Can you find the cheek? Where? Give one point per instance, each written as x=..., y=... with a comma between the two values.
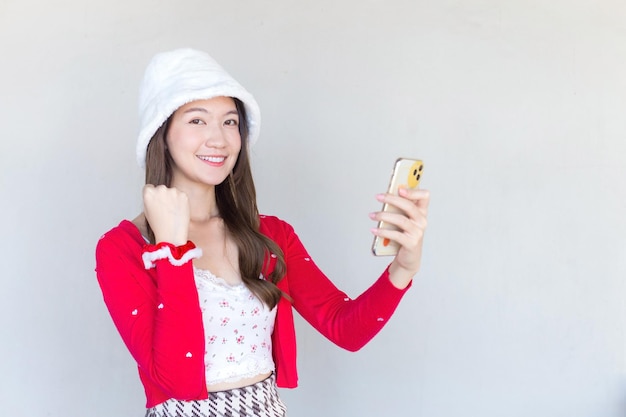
x=178, y=138
x=237, y=140
x=170, y=139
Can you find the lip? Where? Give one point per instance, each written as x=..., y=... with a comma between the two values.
x=213, y=160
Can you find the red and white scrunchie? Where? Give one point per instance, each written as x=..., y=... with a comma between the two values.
x=176, y=255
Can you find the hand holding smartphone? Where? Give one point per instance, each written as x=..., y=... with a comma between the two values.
x=408, y=173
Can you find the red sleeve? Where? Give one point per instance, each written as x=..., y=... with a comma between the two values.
x=156, y=312
x=349, y=323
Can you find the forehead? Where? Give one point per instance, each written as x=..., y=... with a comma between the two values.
x=211, y=105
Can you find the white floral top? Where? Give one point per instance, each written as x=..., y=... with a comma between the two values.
x=237, y=327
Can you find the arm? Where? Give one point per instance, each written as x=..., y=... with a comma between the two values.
x=156, y=312
x=349, y=323
x=352, y=323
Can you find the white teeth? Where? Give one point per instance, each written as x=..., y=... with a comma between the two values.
x=215, y=159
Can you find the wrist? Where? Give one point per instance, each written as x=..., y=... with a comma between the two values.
x=174, y=238
x=177, y=255
x=172, y=241
x=399, y=276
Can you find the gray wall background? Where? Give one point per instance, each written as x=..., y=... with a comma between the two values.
x=517, y=108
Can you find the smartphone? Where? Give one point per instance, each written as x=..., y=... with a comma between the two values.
x=406, y=172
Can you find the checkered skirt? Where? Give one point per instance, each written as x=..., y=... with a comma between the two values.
x=257, y=400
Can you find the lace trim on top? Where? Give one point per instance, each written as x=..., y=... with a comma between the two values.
x=238, y=330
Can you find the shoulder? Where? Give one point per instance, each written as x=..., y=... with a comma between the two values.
x=275, y=228
x=123, y=237
x=272, y=222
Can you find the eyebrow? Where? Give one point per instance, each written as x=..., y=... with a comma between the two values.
x=203, y=110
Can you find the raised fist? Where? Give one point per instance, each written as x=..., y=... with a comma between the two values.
x=167, y=212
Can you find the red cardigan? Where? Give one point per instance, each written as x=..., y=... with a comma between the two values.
x=157, y=311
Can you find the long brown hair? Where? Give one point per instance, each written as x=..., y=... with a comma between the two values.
x=236, y=202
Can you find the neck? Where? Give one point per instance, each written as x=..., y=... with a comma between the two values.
x=202, y=202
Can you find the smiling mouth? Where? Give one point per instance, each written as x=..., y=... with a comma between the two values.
x=212, y=159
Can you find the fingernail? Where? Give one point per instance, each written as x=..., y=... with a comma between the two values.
x=380, y=197
x=372, y=216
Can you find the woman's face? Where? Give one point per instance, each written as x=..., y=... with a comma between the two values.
x=204, y=141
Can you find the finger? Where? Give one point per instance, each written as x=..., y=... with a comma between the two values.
x=418, y=196
x=410, y=241
x=408, y=207
x=411, y=226
x=415, y=198
x=148, y=188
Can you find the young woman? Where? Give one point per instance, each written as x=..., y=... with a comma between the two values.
x=199, y=285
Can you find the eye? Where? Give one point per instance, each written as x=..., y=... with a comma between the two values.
x=196, y=122
x=231, y=122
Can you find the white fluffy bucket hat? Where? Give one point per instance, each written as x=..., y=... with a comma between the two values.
x=173, y=79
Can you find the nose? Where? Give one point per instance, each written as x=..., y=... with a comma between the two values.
x=214, y=136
